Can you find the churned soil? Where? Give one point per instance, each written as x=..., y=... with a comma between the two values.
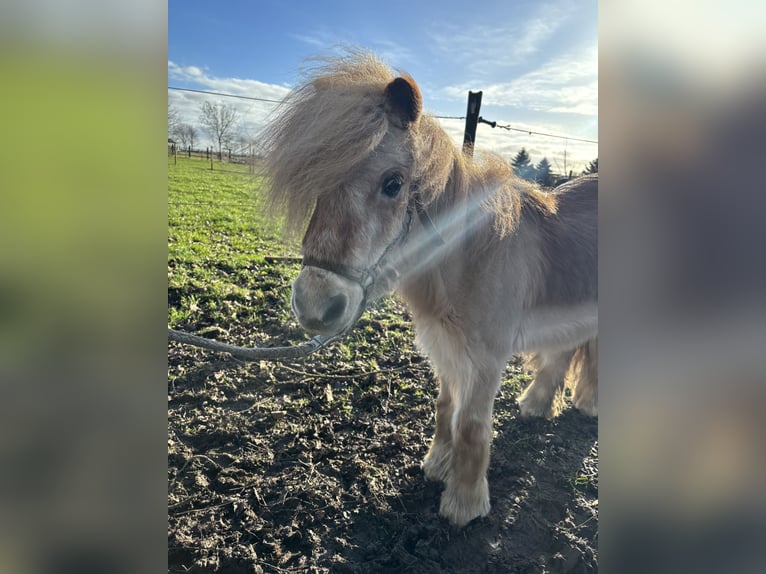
x=314, y=465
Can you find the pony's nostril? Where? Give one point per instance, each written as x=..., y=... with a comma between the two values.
x=335, y=308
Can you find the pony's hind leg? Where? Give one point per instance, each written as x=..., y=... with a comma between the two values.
x=437, y=462
x=544, y=396
x=585, y=378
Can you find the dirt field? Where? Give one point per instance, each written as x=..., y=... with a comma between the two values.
x=314, y=466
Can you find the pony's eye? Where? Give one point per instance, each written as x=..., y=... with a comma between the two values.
x=392, y=185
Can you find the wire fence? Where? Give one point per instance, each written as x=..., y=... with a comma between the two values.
x=533, y=132
x=440, y=117
x=247, y=152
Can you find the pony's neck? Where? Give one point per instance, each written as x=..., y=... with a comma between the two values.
x=436, y=243
x=460, y=210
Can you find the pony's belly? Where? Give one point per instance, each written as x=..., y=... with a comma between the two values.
x=556, y=328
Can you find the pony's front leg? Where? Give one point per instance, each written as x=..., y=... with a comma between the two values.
x=436, y=464
x=466, y=495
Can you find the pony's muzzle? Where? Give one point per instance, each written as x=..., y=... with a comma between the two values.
x=324, y=302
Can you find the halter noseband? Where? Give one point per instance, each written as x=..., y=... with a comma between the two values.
x=364, y=278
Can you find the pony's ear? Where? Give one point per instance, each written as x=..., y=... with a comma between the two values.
x=403, y=101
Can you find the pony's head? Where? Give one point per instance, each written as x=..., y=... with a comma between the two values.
x=351, y=153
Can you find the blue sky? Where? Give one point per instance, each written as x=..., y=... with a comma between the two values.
x=535, y=61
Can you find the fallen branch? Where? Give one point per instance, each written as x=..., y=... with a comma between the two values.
x=278, y=258
x=253, y=353
x=352, y=375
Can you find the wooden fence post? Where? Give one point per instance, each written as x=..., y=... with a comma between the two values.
x=471, y=121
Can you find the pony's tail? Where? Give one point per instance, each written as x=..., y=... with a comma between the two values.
x=583, y=377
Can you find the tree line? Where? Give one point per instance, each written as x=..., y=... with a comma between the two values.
x=542, y=172
x=220, y=121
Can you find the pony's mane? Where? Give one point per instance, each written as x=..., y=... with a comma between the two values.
x=505, y=195
x=337, y=117
x=324, y=127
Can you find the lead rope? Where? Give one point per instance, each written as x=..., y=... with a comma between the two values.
x=254, y=353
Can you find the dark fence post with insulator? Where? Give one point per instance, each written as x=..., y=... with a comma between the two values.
x=471, y=121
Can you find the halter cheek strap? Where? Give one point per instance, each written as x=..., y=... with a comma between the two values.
x=427, y=223
x=365, y=278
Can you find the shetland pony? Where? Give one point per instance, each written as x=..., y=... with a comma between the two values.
x=489, y=265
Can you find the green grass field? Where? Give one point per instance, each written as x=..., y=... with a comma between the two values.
x=218, y=235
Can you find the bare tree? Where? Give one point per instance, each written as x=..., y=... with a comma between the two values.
x=179, y=134
x=191, y=134
x=173, y=119
x=186, y=134
x=219, y=121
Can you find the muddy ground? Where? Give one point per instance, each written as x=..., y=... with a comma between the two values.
x=314, y=465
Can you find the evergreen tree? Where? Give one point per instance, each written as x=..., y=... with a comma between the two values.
x=522, y=165
x=543, y=174
x=592, y=167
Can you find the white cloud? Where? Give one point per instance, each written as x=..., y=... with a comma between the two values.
x=392, y=52
x=235, y=86
x=253, y=114
x=566, y=84
x=336, y=41
x=485, y=49
x=317, y=41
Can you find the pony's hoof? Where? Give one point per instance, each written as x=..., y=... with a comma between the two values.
x=589, y=408
x=536, y=409
x=586, y=400
x=461, y=505
x=436, y=464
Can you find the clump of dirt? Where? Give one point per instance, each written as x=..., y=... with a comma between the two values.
x=314, y=466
